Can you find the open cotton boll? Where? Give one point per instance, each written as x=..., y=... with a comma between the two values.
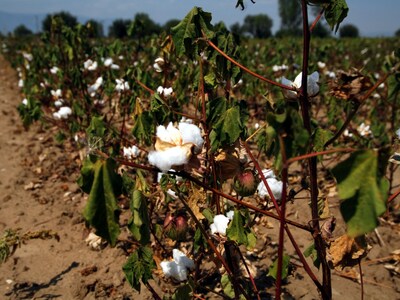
x=63, y=113
x=275, y=186
x=220, y=224
x=108, y=61
x=172, y=269
x=54, y=70
x=164, y=160
x=131, y=152
x=178, y=268
x=181, y=259
x=230, y=214
x=312, y=85
x=191, y=134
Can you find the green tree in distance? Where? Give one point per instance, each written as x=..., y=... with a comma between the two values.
x=68, y=19
x=259, y=26
x=95, y=28
x=22, y=31
x=349, y=31
x=119, y=28
x=291, y=18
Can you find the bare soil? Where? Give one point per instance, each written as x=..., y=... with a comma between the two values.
x=38, y=192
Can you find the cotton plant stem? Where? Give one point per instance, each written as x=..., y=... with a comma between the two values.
x=281, y=245
x=312, y=162
x=288, y=232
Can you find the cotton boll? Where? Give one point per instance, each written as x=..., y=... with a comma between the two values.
x=230, y=214
x=275, y=186
x=62, y=113
x=58, y=103
x=164, y=160
x=174, y=270
x=25, y=102
x=108, y=62
x=181, y=259
x=220, y=224
x=191, y=134
x=21, y=83
x=131, y=152
x=398, y=133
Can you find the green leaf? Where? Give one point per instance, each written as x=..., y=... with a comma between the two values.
x=102, y=210
x=228, y=287
x=312, y=252
x=363, y=191
x=320, y=137
x=335, y=12
x=199, y=241
x=143, y=129
x=229, y=127
x=208, y=214
x=139, y=223
x=139, y=266
x=190, y=29
x=183, y=292
x=96, y=127
x=238, y=231
x=273, y=270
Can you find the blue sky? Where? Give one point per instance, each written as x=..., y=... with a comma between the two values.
x=373, y=18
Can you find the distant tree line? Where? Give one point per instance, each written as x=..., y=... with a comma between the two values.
x=256, y=26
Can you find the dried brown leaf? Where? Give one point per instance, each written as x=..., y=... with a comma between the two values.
x=350, y=85
x=346, y=251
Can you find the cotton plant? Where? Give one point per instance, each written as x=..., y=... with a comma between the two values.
x=63, y=113
x=54, y=70
x=158, y=64
x=92, y=89
x=220, y=223
x=312, y=85
x=130, y=152
x=175, y=146
x=364, y=130
x=274, y=184
x=109, y=62
x=166, y=92
x=121, y=85
x=90, y=65
x=179, y=267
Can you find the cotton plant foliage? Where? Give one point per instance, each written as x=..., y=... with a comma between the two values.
x=175, y=146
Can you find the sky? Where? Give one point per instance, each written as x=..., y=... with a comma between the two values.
x=373, y=18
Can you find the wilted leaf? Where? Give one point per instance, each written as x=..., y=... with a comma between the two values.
x=139, y=223
x=139, y=266
x=362, y=190
x=351, y=85
x=191, y=28
x=102, y=210
x=346, y=251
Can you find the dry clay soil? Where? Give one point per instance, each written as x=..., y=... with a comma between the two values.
x=38, y=192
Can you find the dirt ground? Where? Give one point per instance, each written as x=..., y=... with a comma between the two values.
x=38, y=192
